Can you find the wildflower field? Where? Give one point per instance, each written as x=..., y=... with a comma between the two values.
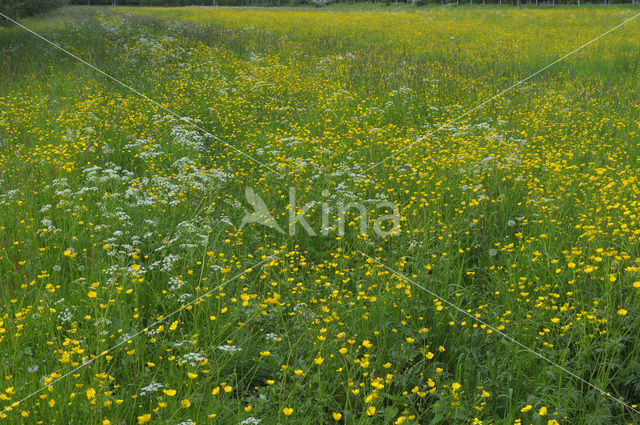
x=486, y=270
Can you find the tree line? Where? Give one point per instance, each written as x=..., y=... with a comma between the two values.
x=327, y=2
x=21, y=8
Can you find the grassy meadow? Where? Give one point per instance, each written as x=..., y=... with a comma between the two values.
x=130, y=293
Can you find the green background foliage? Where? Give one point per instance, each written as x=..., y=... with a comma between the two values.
x=21, y=8
x=18, y=8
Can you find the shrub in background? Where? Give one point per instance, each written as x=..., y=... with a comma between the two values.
x=19, y=8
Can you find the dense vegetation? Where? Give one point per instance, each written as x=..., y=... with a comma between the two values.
x=115, y=214
x=20, y=8
x=327, y=2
